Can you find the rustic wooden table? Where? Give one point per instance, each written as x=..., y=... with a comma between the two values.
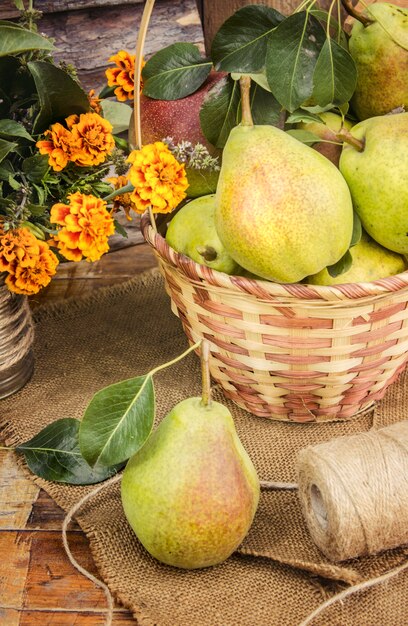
x=38, y=584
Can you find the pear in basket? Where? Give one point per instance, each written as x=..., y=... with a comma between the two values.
x=192, y=232
x=370, y=261
x=283, y=211
x=374, y=162
x=190, y=494
x=379, y=47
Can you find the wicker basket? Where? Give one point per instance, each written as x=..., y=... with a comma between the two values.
x=290, y=352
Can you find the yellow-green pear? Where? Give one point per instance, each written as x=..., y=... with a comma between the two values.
x=190, y=494
x=283, y=211
x=327, y=130
x=192, y=232
x=370, y=262
x=374, y=162
x=380, y=51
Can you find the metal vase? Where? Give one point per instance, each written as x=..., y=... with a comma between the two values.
x=16, y=339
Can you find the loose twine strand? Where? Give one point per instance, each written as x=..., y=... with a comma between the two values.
x=67, y=520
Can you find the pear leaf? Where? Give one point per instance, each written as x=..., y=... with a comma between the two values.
x=335, y=75
x=357, y=230
x=117, y=421
x=118, y=114
x=175, y=72
x=293, y=50
x=219, y=111
x=59, y=94
x=342, y=266
x=300, y=115
x=265, y=108
x=240, y=44
x=305, y=136
x=14, y=39
x=258, y=77
x=53, y=454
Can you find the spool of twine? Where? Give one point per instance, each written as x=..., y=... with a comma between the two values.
x=354, y=492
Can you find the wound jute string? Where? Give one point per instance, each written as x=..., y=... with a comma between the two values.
x=354, y=492
x=16, y=329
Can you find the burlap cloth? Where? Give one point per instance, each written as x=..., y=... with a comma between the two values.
x=278, y=576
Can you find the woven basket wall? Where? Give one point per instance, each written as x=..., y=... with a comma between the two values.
x=290, y=352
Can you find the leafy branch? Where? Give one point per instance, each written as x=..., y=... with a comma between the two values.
x=116, y=424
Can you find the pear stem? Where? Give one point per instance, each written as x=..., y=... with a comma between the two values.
x=346, y=136
x=245, y=86
x=205, y=373
x=347, y=4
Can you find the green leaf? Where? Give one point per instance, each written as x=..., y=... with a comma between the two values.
x=6, y=147
x=335, y=75
x=323, y=17
x=59, y=95
x=265, y=108
x=240, y=43
x=120, y=229
x=14, y=39
x=117, y=421
x=175, y=72
x=14, y=184
x=259, y=78
x=343, y=265
x=118, y=114
x=300, y=115
x=6, y=170
x=305, y=136
x=11, y=128
x=36, y=167
x=293, y=49
x=53, y=454
x=357, y=230
x=219, y=111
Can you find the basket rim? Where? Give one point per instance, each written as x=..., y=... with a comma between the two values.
x=267, y=289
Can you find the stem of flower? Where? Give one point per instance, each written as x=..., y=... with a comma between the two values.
x=119, y=192
x=205, y=373
x=347, y=4
x=147, y=11
x=245, y=86
x=345, y=135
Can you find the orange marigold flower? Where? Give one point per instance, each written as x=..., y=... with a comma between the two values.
x=85, y=225
x=58, y=146
x=123, y=201
x=94, y=102
x=29, y=279
x=92, y=139
x=159, y=179
x=18, y=247
x=123, y=75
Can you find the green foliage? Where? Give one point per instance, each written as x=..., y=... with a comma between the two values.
x=53, y=454
x=175, y=72
x=117, y=421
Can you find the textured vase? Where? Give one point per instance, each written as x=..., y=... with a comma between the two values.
x=16, y=339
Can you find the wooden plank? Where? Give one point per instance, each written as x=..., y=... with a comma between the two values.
x=16, y=493
x=47, y=515
x=51, y=579
x=79, y=279
x=8, y=9
x=88, y=38
x=14, y=564
x=214, y=13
